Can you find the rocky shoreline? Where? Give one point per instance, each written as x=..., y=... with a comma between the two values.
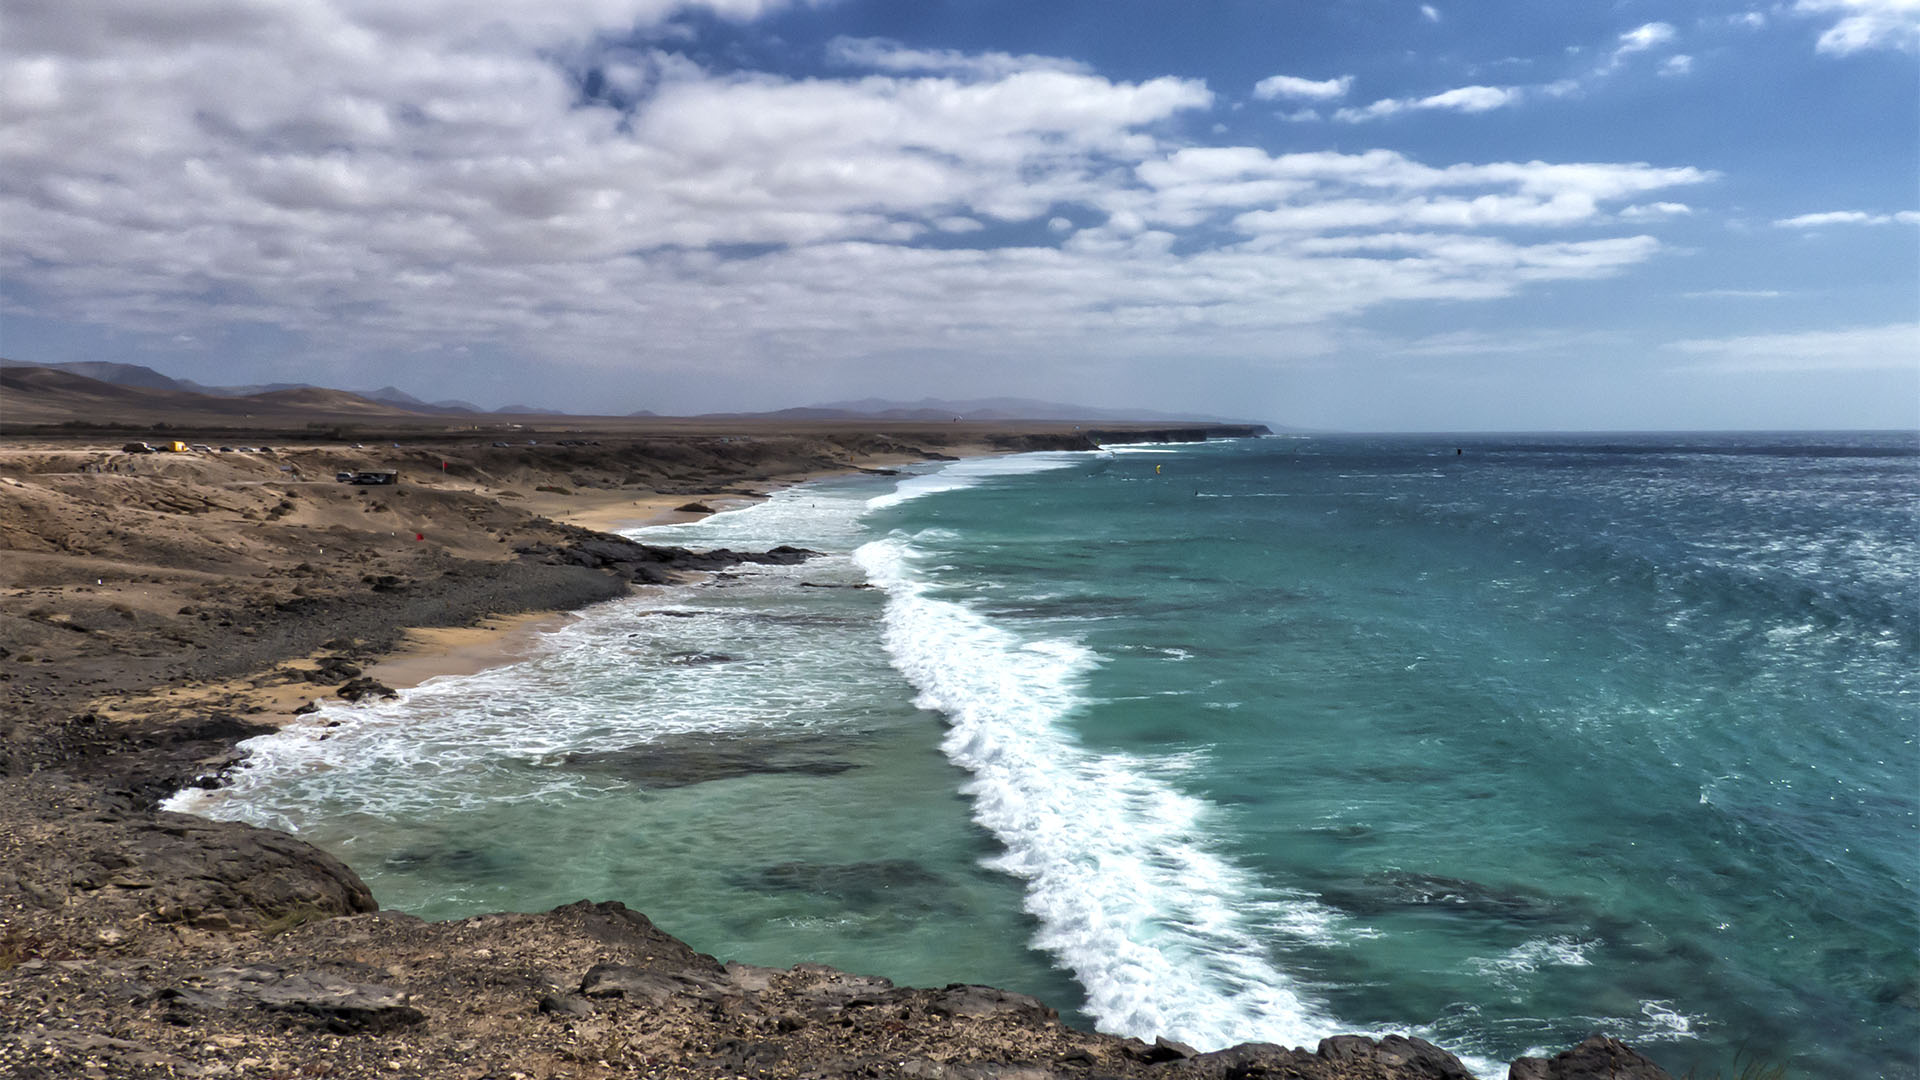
x=151, y=604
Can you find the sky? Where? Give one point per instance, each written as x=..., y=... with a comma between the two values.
x=1342, y=214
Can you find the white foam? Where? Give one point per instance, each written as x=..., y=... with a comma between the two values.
x=1530, y=956
x=1162, y=933
x=821, y=514
x=973, y=471
x=606, y=681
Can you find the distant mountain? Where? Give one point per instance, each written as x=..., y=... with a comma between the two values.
x=244, y=391
x=393, y=395
x=136, y=376
x=995, y=408
x=105, y=371
x=145, y=378
x=48, y=395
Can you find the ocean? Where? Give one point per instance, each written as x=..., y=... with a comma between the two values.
x=1500, y=741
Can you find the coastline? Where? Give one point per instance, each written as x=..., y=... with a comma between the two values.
x=80, y=800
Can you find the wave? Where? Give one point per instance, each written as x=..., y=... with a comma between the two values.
x=1162, y=934
x=973, y=471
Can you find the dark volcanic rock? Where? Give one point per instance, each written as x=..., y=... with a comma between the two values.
x=640, y=984
x=1343, y=1057
x=700, y=659
x=148, y=764
x=355, y=689
x=1400, y=890
x=320, y=998
x=961, y=1000
x=1601, y=1057
x=566, y=1005
x=333, y=669
x=649, y=564
x=131, y=872
x=684, y=760
x=1409, y=1057
x=898, y=884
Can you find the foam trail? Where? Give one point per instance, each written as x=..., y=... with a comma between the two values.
x=1158, y=930
x=972, y=471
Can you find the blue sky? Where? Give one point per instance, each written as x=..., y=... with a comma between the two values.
x=1359, y=214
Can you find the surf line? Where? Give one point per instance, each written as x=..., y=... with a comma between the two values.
x=1158, y=930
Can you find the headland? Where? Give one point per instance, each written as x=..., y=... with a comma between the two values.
x=160, y=607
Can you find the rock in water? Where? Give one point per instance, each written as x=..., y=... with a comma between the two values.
x=355, y=689
x=1601, y=1057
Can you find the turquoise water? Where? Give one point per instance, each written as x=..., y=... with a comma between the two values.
x=1258, y=739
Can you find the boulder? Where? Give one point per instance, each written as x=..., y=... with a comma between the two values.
x=322, y=999
x=1600, y=1057
x=355, y=689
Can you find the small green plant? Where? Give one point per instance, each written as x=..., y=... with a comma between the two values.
x=292, y=919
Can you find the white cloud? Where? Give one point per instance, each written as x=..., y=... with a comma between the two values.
x=396, y=179
x=882, y=54
x=1482, y=343
x=1464, y=99
x=1643, y=37
x=1892, y=347
x=1677, y=64
x=1299, y=194
x=1430, y=13
x=1848, y=217
x=1301, y=116
x=1292, y=86
x=1658, y=211
x=1734, y=294
x=1866, y=24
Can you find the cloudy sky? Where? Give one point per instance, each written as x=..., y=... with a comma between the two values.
x=1360, y=214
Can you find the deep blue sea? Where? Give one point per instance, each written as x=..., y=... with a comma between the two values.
x=1497, y=740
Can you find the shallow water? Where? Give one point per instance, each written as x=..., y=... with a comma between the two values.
x=1281, y=738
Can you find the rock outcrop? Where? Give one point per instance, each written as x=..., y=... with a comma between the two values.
x=1601, y=1057
x=649, y=564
